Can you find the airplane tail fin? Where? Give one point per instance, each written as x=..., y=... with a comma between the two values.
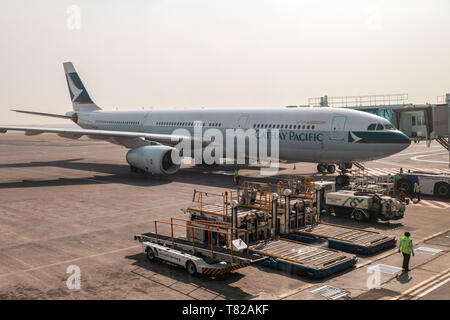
x=78, y=93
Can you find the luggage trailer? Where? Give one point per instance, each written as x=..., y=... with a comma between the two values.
x=282, y=254
x=347, y=239
x=302, y=258
x=205, y=258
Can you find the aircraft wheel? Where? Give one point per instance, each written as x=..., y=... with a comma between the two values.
x=321, y=168
x=442, y=190
x=150, y=255
x=340, y=180
x=406, y=185
x=331, y=168
x=359, y=215
x=190, y=268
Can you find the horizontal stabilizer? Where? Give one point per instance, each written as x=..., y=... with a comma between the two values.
x=44, y=114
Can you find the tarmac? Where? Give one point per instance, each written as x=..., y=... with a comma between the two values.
x=75, y=203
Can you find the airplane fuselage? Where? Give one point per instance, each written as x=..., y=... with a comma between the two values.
x=306, y=134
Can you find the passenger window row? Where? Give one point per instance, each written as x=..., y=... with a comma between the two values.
x=284, y=126
x=117, y=122
x=188, y=124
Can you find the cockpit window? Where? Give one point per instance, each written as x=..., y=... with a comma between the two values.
x=380, y=127
x=388, y=126
x=372, y=126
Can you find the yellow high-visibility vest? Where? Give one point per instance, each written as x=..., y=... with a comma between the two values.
x=405, y=245
x=416, y=187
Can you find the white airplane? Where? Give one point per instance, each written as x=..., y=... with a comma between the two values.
x=322, y=135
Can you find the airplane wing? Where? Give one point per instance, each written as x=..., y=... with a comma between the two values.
x=127, y=138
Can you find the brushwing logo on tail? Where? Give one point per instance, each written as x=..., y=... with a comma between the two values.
x=353, y=138
x=73, y=88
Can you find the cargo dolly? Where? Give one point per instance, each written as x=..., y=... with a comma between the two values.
x=343, y=238
x=301, y=258
x=208, y=258
x=283, y=254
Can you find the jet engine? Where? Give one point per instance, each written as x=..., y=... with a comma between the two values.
x=156, y=159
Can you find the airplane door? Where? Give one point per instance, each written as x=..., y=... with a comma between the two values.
x=338, y=127
x=144, y=120
x=243, y=121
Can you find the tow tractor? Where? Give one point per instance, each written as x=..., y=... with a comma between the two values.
x=208, y=248
x=430, y=183
x=360, y=205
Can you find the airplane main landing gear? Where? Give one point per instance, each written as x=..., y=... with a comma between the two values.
x=343, y=179
x=322, y=168
x=205, y=165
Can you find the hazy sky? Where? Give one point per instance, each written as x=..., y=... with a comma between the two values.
x=211, y=53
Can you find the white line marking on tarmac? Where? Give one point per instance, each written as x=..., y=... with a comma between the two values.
x=376, y=172
x=386, y=171
x=410, y=153
x=433, y=204
x=416, y=158
x=68, y=261
x=432, y=288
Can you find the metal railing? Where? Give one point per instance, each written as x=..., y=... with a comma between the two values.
x=208, y=199
x=228, y=234
x=358, y=101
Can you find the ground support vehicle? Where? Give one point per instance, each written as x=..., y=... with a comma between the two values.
x=196, y=256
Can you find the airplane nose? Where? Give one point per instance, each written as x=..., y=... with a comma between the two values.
x=402, y=140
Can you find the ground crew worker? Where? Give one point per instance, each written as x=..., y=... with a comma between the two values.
x=236, y=176
x=406, y=248
x=402, y=195
x=417, y=190
x=397, y=177
x=401, y=170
